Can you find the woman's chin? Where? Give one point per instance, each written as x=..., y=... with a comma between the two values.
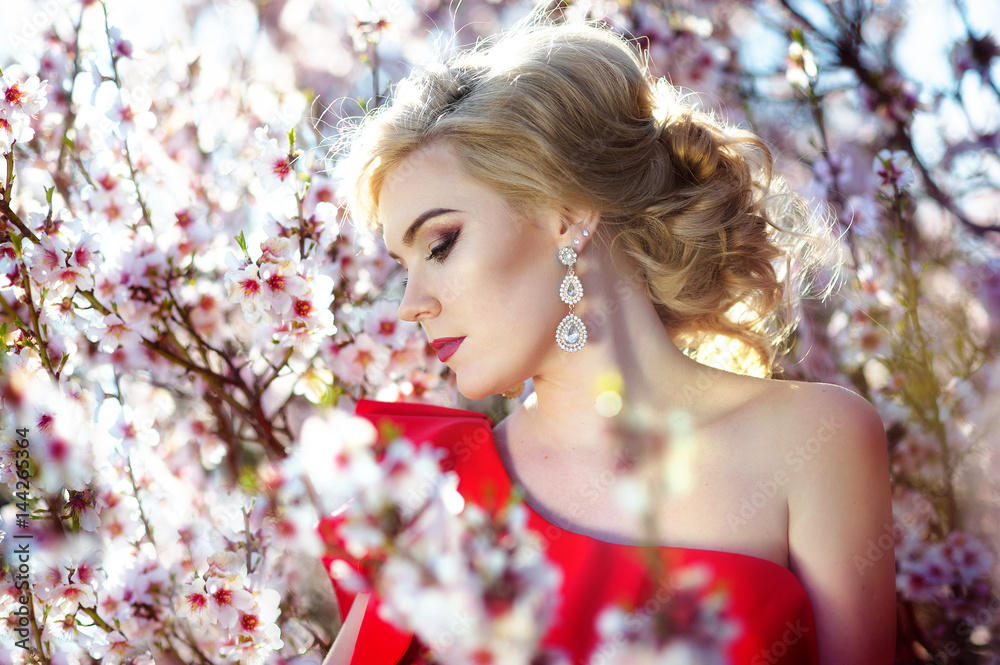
x=474, y=395
x=476, y=391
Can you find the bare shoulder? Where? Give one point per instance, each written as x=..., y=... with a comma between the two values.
x=826, y=438
x=839, y=509
x=798, y=421
x=836, y=441
x=824, y=396
x=819, y=413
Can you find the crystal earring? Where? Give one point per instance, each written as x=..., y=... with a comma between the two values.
x=571, y=334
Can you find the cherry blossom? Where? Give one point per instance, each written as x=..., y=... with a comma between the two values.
x=282, y=286
x=802, y=67
x=274, y=166
x=245, y=287
x=193, y=603
x=383, y=325
x=20, y=101
x=130, y=114
x=893, y=169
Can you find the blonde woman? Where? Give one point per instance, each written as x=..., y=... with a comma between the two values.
x=563, y=218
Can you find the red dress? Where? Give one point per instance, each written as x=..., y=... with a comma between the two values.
x=765, y=599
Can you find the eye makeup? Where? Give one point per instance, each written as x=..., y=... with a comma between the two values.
x=440, y=251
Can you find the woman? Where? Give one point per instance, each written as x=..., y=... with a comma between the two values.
x=515, y=177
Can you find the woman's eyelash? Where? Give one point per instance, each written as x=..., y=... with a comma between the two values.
x=440, y=252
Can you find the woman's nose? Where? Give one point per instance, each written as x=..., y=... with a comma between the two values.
x=417, y=304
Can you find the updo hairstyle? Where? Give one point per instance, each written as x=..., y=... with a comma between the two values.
x=553, y=116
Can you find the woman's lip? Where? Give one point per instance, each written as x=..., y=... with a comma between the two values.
x=446, y=346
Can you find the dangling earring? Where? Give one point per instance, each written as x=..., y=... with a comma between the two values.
x=571, y=334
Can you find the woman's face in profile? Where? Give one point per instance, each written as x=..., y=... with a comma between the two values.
x=475, y=272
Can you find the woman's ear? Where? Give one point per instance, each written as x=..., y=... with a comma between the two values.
x=577, y=227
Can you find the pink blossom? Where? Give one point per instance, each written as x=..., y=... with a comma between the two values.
x=971, y=558
x=130, y=114
x=246, y=287
x=61, y=627
x=274, y=166
x=81, y=508
x=257, y=635
x=20, y=100
x=277, y=250
x=62, y=312
x=207, y=316
x=65, y=281
x=893, y=169
x=357, y=361
x=135, y=429
x=700, y=628
x=111, y=648
x=802, y=67
x=49, y=578
x=47, y=258
x=14, y=128
x=113, y=332
x=70, y=597
x=281, y=286
x=227, y=598
x=193, y=602
x=87, y=572
x=313, y=312
x=122, y=47
x=112, y=286
x=384, y=326
x=313, y=383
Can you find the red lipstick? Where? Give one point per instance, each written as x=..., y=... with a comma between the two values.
x=446, y=346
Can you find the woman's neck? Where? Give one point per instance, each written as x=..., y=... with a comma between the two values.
x=628, y=351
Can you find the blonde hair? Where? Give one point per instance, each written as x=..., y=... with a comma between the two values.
x=551, y=116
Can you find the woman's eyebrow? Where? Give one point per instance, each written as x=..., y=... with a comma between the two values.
x=411, y=232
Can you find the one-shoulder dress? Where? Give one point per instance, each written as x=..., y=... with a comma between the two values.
x=765, y=601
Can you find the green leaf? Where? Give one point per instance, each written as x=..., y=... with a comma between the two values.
x=248, y=479
x=388, y=432
x=332, y=395
x=242, y=242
